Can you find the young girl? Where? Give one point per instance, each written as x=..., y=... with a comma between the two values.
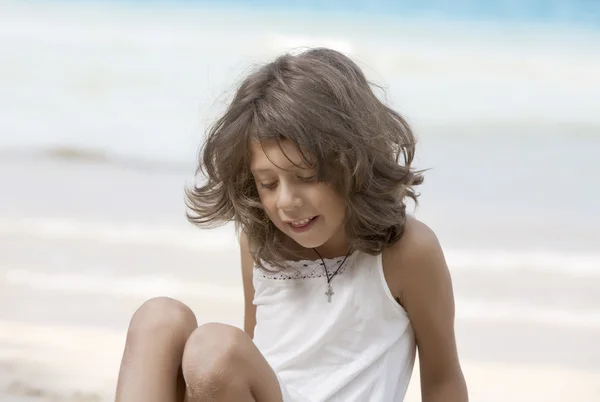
x=341, y=285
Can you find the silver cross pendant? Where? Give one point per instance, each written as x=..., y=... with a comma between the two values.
x=329, y=293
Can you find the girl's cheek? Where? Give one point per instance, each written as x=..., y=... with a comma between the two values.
x=267, y=202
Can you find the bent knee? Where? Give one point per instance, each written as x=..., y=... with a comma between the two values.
x=162, y=314
x=215, y=354
x=223, y=343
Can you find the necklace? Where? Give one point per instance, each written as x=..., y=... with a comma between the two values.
x=330, y=292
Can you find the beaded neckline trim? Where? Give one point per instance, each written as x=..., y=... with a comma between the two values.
x=305, y=269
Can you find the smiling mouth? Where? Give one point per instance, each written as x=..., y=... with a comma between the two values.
x=301, y=223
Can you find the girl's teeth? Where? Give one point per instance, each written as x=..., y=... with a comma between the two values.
x=301, y=223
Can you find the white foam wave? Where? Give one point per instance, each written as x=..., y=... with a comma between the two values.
x=144, y=286
x=147, y=286
x=123, y=233
x=224, y=239
x=507, y=312
x=279, y=43
x=542, y=260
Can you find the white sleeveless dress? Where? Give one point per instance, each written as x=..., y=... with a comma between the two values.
x=360, y=347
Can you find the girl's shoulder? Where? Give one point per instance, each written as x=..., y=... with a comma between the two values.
x=417, y=242
x=416, y=256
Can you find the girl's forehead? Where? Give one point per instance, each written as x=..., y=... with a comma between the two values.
x=269, y=155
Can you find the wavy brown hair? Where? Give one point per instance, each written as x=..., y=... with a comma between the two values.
x=321, y=102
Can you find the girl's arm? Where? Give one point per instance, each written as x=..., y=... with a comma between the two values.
x=425, y=289
x=247, y=268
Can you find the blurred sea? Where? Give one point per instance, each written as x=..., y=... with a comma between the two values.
x=103, y=106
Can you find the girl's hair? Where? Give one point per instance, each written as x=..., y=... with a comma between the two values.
x=322, y=103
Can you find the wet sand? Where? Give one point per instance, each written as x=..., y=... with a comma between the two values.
x=74, y=267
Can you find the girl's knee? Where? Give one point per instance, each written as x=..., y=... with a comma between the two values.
x=162, y=315
x=216, y=357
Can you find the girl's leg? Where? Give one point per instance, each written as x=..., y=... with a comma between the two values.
x=150, y=369
x=221, y=363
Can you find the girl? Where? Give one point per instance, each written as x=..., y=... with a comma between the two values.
x=341, y=285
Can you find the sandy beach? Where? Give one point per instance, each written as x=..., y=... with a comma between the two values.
x=62, y=363
x=71, y=277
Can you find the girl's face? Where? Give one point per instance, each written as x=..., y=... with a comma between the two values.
x=309, y=212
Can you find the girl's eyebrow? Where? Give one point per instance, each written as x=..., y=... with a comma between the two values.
x=259, y=170
x=289, y=168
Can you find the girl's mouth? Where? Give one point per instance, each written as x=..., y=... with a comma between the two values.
x=303, y=224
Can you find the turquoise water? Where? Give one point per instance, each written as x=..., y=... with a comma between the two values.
x=145, y=81
x=584, y=12
x=565, y=11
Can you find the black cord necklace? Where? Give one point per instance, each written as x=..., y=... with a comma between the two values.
x=329, y=292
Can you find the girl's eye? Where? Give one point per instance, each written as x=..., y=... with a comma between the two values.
x=308, y=178
x=268, y=185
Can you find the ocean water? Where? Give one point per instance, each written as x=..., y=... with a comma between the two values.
x=145, y=80
x=505, y=102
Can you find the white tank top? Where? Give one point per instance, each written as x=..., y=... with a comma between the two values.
x=360, y=347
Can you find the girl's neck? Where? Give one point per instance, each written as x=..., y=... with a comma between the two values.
x=333, y=248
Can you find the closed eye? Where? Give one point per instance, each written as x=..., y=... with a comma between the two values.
x=308, y=178
x=268, y=185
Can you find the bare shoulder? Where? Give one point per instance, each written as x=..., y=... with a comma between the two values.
x=247, y=261
x=417, y=242
x=247, y=264
x=416, y=256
